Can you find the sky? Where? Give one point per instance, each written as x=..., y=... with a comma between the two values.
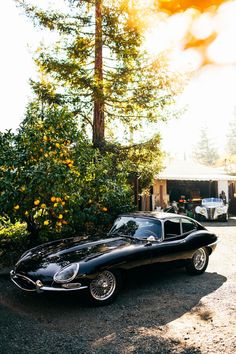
x=209, y=98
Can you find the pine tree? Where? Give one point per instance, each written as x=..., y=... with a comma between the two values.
x=231, y=137
x=98, y=69
x=205, y=152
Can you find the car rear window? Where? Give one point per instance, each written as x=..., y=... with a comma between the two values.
x=172, y=227
x=188, y=225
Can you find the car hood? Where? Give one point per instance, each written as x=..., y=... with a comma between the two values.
x=212, y=206
x=49, y=258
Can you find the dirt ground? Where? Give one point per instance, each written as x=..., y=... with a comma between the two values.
x=168, y=312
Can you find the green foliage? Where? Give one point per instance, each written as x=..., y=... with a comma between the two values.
x=14, y=241
x=55, y=181
x=123, y=87
x=205, y=152
x=51, y=177
x=133, y=88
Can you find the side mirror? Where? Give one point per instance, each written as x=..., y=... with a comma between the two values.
x=151, y=239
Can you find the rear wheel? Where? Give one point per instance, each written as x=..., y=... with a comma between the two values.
x=198, y=263
x=104, y=288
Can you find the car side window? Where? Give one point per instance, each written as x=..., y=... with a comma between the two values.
x=148, y=228
x=172, y=227
x=188, y=225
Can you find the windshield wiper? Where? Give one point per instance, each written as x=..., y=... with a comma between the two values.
x=124, y=235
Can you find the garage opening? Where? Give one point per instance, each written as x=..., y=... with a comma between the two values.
x=191, y=189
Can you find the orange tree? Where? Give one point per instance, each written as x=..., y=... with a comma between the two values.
x=54, y=180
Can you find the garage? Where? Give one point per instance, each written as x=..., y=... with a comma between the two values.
x=186, y=179
x=177, y=189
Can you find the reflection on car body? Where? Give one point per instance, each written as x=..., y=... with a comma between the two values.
x=97, y=267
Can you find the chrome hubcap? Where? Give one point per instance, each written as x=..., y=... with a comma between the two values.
x=199, y=259
x=103, y=286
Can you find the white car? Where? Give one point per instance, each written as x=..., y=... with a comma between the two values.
x=212, y=209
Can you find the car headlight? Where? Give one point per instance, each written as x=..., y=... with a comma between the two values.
x=202, y=211
x=220, y=210
x=66, y=274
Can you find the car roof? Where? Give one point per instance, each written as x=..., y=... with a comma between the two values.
x=154, y=214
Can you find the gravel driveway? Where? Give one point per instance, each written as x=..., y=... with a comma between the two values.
x=170, y=312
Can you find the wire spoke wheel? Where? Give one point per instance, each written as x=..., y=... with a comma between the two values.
x=198, y=263
x=104, y=286
x=199, y=259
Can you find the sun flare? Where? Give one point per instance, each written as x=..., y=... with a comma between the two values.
x=192, y=37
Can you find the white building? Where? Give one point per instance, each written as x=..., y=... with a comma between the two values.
x=191, y=180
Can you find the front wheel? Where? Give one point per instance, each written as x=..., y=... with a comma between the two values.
x=198, y=263
x=199, y=217
x=104, y=288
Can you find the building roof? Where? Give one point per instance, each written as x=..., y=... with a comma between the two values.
x=188, y=170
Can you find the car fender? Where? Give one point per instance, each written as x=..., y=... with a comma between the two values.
x=128, y=258
x=201, y=238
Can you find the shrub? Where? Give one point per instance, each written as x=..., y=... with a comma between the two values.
x=52, y=179
x=14, y=240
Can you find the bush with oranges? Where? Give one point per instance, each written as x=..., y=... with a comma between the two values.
x=54, y=180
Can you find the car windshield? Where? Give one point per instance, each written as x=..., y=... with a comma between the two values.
x=136, y=227
x=212, y=201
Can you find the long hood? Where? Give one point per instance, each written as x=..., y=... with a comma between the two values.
x=50, y=257
x=213, y=206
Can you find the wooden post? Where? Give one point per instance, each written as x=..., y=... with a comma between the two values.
x=136, y=189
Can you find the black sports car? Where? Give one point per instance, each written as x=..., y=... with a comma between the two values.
x=135, y=240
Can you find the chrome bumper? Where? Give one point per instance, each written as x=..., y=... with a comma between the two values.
x=213, y=244
x=38, y=286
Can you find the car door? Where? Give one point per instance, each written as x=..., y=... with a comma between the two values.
x=138, y=252
x=142, y=251
x=173, y=246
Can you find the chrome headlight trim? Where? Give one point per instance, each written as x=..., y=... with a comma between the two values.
x=202, y=211
x=67, y=280
x=220, y=210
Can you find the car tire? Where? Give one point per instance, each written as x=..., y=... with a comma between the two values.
x=104, y=288
x=198, y=263
x=199, y=217
x=225, y=217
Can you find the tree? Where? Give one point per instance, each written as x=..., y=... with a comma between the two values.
x=205, y=152
x=44, y=169
x=98, y=67
x=231, y=137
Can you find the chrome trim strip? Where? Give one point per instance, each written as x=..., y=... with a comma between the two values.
x=40, y=288
x=69, y=279
x=22, y=276
x=212, y=244
x=49, y=288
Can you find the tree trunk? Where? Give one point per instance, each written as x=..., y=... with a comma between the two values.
x=98, y=119
x=33, y=233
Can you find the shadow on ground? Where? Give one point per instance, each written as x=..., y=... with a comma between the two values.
x=132, y=324
x=214, y=223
